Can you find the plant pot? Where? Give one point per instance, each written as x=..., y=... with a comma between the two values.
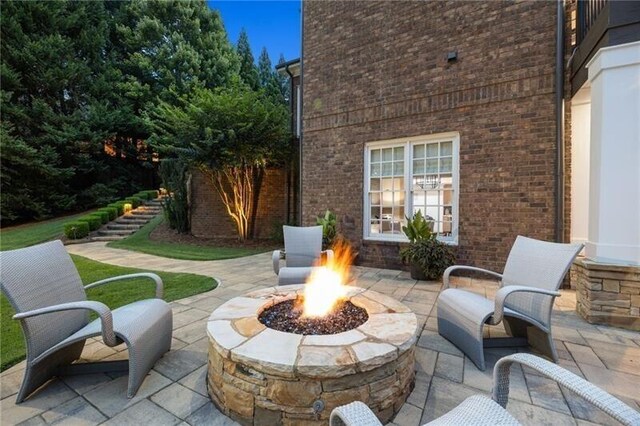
x=417, y=273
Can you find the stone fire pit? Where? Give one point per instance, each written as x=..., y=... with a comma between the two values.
x=257, y=375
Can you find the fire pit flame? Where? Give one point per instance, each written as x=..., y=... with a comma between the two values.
x=327, y=286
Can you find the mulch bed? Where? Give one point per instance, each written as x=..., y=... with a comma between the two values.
x=286, y=316
x=163, y=233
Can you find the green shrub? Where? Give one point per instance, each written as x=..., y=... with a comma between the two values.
x=152, y=193
x=174, y=173
x=134, y=201
x=112, y=211
x=94, y=222
x=76, y=230
x=104, y=216
x=142, y=195
x=119, y=206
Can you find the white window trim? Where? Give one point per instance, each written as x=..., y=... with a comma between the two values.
x=408, y=143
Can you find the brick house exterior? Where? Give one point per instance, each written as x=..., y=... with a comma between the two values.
x=378, y=71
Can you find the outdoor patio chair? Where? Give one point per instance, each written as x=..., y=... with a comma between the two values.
x=532, y=275
x=302, y=250
x=480, y=410
x=44, y=287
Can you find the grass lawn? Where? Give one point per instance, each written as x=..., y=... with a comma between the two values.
x=176, y=286
x=140, y=242
x=33, y=233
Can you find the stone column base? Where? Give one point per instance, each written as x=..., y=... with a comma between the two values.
x=607, y=293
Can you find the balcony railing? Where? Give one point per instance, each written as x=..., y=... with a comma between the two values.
x=587, y=13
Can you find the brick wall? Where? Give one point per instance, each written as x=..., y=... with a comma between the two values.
x=377, y=70
x=209, y=218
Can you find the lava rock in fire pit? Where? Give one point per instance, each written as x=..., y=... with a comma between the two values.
x=287, y=316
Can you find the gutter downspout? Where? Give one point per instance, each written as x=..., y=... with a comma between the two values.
x=288, y=194
x=300, y=112
x=560, y=159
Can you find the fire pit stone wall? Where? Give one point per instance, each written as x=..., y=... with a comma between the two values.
x=257, y=375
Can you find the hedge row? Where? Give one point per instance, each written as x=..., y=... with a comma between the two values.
x=81, y=227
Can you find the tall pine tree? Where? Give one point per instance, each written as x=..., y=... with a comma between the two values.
x=248, y=70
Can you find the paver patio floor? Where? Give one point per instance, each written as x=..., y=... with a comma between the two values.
x=175, y=393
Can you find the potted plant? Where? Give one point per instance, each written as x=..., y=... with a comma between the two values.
x=427, y=256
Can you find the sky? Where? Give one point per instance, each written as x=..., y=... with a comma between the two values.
x=271, y=24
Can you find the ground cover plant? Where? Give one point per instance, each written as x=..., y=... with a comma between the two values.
x=176, y=286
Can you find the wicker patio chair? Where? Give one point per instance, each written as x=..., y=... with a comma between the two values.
x=44, y=287
x=532, y=275
x=302, y=250
x=479, y=410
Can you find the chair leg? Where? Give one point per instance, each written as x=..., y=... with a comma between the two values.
x=515, y=327
x=38, y=374
x=146, y=349
x=543, y=343
x=464, y=334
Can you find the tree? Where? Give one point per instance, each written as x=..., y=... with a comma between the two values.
x=231, y=135
x=248, y=70
x=268, y=78
x=50, y=53
x=77, y=79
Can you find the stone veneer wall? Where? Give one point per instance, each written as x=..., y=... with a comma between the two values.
x=255, y=398
x=209, y=218
x=607, y=294
x=377, y=70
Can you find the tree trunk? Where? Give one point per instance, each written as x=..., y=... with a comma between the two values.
x=258, y=175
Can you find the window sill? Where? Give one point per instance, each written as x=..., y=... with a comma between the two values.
x=390, y=241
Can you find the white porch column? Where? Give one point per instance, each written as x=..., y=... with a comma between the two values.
x=614, y=195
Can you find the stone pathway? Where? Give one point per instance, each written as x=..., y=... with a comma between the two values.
x=175, y=392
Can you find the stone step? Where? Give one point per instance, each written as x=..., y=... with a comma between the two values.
x=116, y=226
x=146, y=210
x=139, y=215
x=131, y=220
x=114, y=232
x=108, y=238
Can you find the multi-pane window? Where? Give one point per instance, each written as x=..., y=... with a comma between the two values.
x=403, y=177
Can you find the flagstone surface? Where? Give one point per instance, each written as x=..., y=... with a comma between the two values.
x=175, y=391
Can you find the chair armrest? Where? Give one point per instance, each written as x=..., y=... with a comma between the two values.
x=329, y=254
x=450, y=269
x=354, y=414
x=596, y=396
x=154, y=277
x=504, y=292
x=275, y=258
x=103, y=311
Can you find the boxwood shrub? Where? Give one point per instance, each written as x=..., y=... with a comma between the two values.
x=111, y=211
x=94, y=222
x=144, y=195
x=76, y=230
x=104, y=216
x=119, y=206
x=152, y=194
x=134, y=201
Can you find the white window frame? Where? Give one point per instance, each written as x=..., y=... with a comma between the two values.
x=408, y=143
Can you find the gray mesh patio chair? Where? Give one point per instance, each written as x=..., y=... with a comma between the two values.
x=479, y=410
x=302, y=250
x=44, y=288
x=532, y=275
